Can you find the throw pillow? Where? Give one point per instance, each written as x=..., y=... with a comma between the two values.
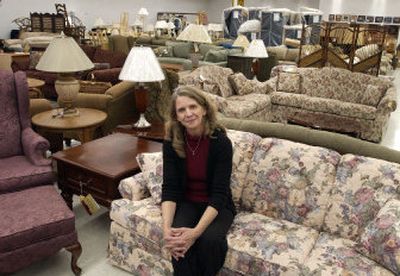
x=34, y=58
x=372, y=95
x=380, y=240
x=151, y=165
x=288, y=82
x=216, y=56
x=240, y=84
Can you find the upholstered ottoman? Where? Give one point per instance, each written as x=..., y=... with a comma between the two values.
x=34, y=224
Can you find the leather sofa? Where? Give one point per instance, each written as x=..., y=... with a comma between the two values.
x=314, y=204
x=333, y=99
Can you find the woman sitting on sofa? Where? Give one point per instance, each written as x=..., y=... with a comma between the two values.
x=197, y=206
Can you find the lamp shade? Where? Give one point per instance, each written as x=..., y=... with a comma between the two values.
x=215, y=27
x=171, y=25
x=99, y=22
x=63, y=55
x=161, y=24
x=141, y=65
x=256, y=49
x=138, y=22
x=241, y=41
x=195, y=33
x=250, y=26
x=143, y=11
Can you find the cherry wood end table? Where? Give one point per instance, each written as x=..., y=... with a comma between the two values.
x=85, y=124
x=98, y=166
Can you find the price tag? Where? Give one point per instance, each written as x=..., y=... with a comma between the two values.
x=315, y=18
x=235, y=14
x=253, y=36
x=299, y=34
x=277, y=17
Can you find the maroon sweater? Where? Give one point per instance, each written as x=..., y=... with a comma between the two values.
x=196, y=164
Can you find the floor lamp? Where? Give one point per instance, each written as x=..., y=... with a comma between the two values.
x=141, y=66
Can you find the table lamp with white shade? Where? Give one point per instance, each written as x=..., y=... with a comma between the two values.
x=160, y=26
x=241, y=42
x=141, y=66
x=256, y=50
x=215, y=30
x=143, y=13
x=65, y=57
x=197, y=34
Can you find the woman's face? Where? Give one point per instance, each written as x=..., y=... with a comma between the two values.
x=190, y=114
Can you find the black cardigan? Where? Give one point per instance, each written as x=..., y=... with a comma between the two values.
x=219, y=169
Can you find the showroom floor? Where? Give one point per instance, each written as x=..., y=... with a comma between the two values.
x=93, y=230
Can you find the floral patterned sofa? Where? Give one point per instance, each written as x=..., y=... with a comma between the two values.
x=234, y=95
x=302, y=210
x=333, y=99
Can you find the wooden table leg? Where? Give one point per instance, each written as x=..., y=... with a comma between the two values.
x=66, y=195
x=87, y=134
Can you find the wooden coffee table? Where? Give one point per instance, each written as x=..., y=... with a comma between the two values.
x=98, y=166
x=85, y=124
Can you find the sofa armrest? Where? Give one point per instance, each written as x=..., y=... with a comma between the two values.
x=388, y=102
x=271, y=85
x=120, y=89
x=96, y=101
x=38, y=105
x=35, y=147
x=134, y=187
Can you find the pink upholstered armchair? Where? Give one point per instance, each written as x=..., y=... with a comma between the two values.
x=22, y=160
x=35, y=221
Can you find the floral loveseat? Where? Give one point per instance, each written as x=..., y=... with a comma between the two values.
x=302, y=210
x=333, y=99
x=234, y=95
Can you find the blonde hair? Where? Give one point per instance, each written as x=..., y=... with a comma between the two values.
x=174, y=130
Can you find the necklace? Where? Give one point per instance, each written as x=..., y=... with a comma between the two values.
x=193, y=151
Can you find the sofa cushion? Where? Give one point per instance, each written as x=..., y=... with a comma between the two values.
x=89, y=50
x=115, y=59
x=244, y=106
x=18, y=173
x=380, y=240
x=259, y=245
x=182, y=49
x=337, y=256
x=34, y=58
x=278, y=51
x=212, y=74
x=243, y=86
x=151, y=164
x=317, y=104
x=288, y=82
x=204, y=48
x=27, y=218
x=372, y=95
x=216, y=55
x=362, y=187
x=291, y=181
